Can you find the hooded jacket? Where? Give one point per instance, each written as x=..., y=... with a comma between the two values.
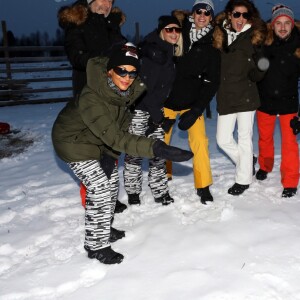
x=239, y=72
x=97, y=122
x=87, y=35
x=158, y=72
x=279, y=88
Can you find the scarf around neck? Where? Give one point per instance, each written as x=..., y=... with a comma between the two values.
x=196, y=35
x=116, y=89
x=232, y=35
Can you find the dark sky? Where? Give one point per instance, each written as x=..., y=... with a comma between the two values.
x=27, y=16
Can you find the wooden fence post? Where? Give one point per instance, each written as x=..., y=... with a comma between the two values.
x=6, y=52
x=137, y=33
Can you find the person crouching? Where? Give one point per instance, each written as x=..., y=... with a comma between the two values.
x=91, y=132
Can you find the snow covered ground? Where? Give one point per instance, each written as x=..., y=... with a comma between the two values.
x=236, y=248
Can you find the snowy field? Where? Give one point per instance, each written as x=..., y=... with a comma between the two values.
x=236, y=248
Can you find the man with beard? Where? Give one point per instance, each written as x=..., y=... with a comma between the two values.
x=279, y=98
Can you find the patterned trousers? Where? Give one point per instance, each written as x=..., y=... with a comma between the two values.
x=101, y=197
x=133, y=174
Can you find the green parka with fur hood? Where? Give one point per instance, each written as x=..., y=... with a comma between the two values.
x=239, y=72
x=98, y=121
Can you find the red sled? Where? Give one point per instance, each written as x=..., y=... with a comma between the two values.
x=4, y=128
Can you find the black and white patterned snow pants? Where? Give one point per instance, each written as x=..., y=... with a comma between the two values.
x=101, y=197
x=133, y=174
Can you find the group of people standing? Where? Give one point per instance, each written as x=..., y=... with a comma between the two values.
x=127, y=99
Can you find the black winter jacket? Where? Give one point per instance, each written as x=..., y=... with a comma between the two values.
x=87, y=35
x=197, y=77
x=279, y=88
x=157, y=72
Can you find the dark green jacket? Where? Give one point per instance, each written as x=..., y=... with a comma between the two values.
x=239, y=73
x=98, y=121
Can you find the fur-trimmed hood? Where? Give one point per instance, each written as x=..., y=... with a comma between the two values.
x=77, y=14
x=181, y=15
x=258, y=34
x=270, y=36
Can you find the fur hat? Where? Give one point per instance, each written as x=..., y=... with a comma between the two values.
x=89, y=1
x=125, y=54
x=164, y=21
x=280, y=10
x=204, y=4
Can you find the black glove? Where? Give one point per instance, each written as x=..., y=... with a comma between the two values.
x=188, y=118
x=167, y=124
x=161, y=149
x=261, y=61
x=107, y=164
x=295, y=125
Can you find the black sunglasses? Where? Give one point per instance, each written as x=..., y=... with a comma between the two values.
x=237, y=14
x=171, y=29
x=123, y=72
x=203, y=12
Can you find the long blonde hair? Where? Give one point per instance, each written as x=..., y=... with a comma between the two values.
x=179, y=44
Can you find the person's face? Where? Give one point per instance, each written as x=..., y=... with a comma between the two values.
x=200, y=18
x=239, y=17
x=171, y=34
x=283, y=27
x=123, y=82
x=101, y=7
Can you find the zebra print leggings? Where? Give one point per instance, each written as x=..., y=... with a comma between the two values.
x=133, y=174
x=101, y=197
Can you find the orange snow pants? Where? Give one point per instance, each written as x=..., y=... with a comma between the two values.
x=289, y=167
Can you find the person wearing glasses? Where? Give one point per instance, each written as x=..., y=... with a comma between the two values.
x=157, y=50
x=280, y=99
x=196, y=82
x=90, y=27
x=239, y=34
x=90, y=133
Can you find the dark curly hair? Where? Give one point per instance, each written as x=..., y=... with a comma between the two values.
x=252, y=10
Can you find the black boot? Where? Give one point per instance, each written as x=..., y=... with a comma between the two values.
x=119, y=207
x=289, y=192
x=106, y=256
x=165, y=199
x=116, y=234
x=205, y=195
x=261, y=175
x=134, y=199
x=254, y=163
x=238, y=189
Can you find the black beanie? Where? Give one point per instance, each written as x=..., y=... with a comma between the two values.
x=164, y=21
x=125, y=54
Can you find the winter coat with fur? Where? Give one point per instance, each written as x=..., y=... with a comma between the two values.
x=279, y=88
x=87, y=35
x=97, y=122
x=239, y=72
